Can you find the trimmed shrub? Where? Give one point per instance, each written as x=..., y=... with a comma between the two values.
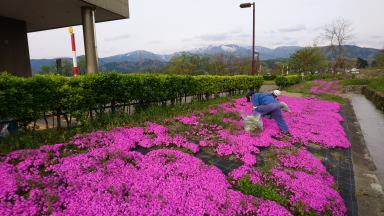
x=27, y=99
x=269, y=77
x=287, y=80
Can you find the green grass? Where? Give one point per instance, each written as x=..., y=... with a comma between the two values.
x=269, y=82
x=377, y=84
x=355, y=82
x=327, y=77
x=327, y=97
x=308, y=85
x=108, y=121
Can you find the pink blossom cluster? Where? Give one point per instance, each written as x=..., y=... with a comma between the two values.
x=307, y=186
x=310, y=120
x=298, y=87
x=325, y=87
x=304, y=161
x=102, y=182
x=126, y=138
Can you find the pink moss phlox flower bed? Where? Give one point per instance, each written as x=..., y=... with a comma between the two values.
x=298, y=87
x=125, y=138
x=325, y=87
x=308, y=187
x=310, y=120
x=99, y=174
x=102, y=182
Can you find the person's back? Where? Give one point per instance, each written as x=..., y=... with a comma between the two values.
x=267, y=104
x=263, y=99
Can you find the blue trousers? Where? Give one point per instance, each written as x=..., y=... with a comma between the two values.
x=274, y=110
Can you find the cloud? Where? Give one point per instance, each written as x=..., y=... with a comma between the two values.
x=376, y=36
x=292, y=42
x=243, y=35
x=272, y=32
x=155, y=41
x=288, y=38
x=118, y=37
x=236, y=30
x=108, y=49
x=285, y=42
x=227, y=36
x=293, y=29
x=276, y=43
x=213, y=36
x=314, y=29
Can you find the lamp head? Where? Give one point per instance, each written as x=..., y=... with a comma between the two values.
x=245, y=5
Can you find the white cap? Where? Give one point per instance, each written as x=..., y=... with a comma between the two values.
x=277, y=93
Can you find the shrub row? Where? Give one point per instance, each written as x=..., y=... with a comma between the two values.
x=269, y=77
x=287, y=80
x=27, y=99
x=291, y=79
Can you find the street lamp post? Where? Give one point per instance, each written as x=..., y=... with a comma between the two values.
x=258, y=64
x=247, y=5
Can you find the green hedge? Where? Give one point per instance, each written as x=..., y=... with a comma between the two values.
x=287, y=80
x=27, y=99
x=269, y=77
x=309, y=77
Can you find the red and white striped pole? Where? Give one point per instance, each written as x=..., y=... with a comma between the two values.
x=73, y=51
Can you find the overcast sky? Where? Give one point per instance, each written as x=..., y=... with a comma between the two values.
x=168, y=26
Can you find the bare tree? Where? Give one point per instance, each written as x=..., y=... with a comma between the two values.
x=337, y=35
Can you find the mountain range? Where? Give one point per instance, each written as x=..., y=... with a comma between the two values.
x=264, y=54
x=133, y=66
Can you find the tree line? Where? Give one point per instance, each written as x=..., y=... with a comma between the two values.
x=67, y=70
x=335, y=38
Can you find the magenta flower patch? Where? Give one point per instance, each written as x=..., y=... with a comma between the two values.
x=98, y=173
x=310, y=120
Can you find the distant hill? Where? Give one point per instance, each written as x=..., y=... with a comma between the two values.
x=355, y=52
x=37, y=63
x=265, y=54
x=133, y=66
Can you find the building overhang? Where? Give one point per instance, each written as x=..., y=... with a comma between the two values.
x=42, y=15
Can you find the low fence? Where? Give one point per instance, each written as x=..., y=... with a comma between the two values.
x=41, y=96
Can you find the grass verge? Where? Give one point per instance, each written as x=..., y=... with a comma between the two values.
x=269, y=82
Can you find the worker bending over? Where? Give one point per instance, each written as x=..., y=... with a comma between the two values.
x=267, y=104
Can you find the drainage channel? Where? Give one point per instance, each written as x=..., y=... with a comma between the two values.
x=371, y=121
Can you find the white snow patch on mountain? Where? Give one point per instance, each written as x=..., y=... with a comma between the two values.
x=228, y=48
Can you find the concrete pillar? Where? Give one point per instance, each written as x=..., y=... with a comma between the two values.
x=14, y=50
x=90, y=46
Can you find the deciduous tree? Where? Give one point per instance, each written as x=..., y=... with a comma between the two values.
x=361, y=63
x=337, y=34
x=308, y=59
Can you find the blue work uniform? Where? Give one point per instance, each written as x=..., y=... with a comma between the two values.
x=267, y=104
